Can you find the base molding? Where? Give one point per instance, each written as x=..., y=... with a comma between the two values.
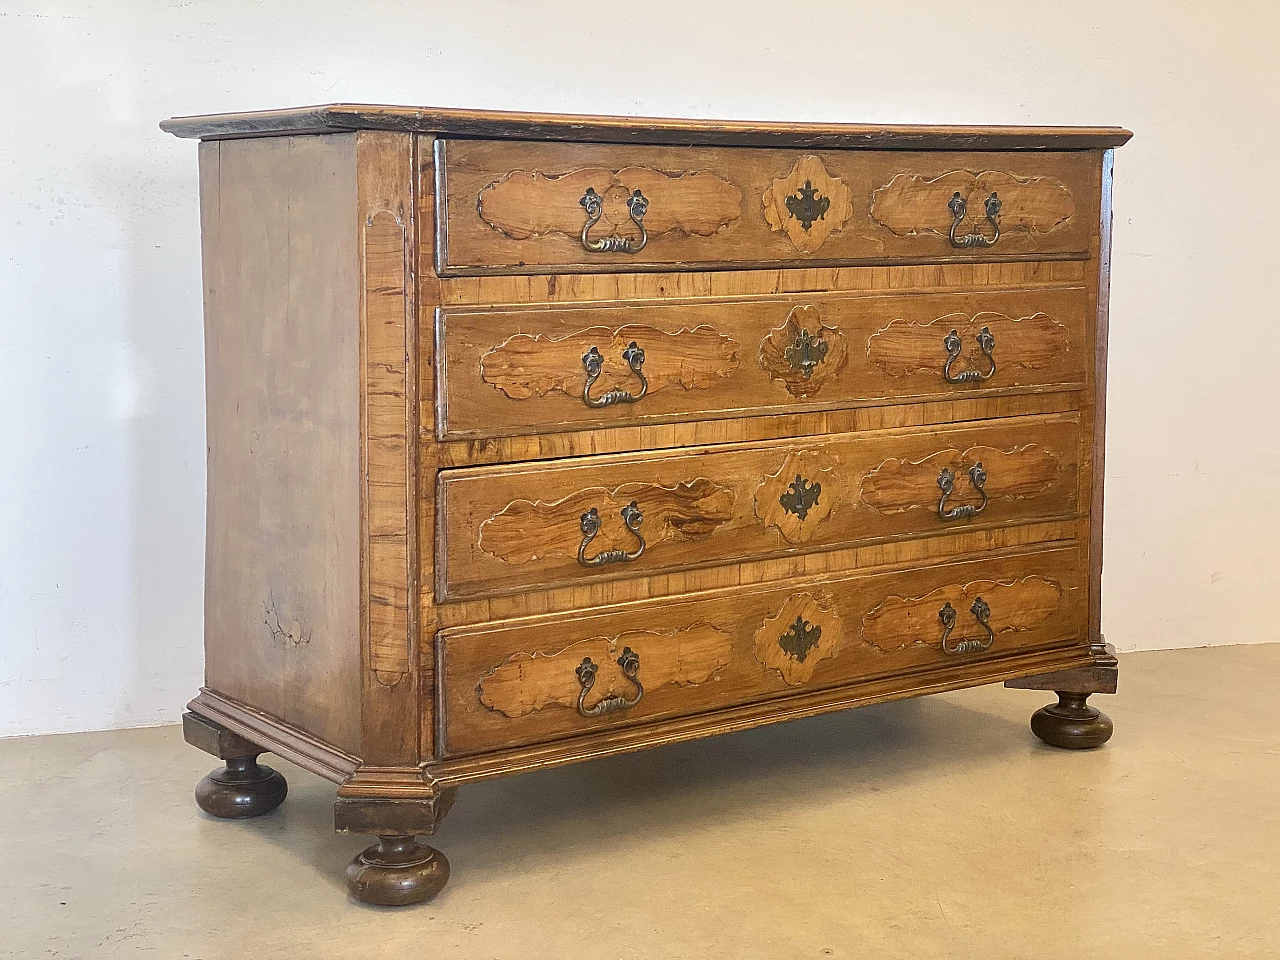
x=1100, y=676
x=274, y=735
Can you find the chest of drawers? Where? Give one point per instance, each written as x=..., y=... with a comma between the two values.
x=534, y=439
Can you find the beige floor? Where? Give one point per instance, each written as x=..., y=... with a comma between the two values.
x=936, y=828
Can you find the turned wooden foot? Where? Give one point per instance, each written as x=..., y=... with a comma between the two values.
x=397, y=871
x=1072, y=723
x=243, y=788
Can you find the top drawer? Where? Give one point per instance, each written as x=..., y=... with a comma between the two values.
x=514, y=207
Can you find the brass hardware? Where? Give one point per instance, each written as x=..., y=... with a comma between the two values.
x=593, y=363
x=806, y=353
x=590, y=523
x=586, y=671
x=958, y=207
x=982, y=613
x=593, y=203
x=800, y=497
x=953, y=345
x=947, y=481
x=800, y=638
x=807, y=205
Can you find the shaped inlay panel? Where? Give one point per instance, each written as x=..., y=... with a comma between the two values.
x=896, y=486
x=530, y=203
x=800, y=496
x=903, y=348
x=801, y=635
x=804, y=353
x=533, y=365
x=808, y=204
x=1016, y=606
x=529, y=530
x=527, y=682
x=911, y=204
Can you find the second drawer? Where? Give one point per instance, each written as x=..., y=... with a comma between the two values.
x=506, y=529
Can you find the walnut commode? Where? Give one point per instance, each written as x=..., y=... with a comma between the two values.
x=540, y=438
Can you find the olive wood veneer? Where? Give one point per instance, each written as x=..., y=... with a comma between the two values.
x=534, y=439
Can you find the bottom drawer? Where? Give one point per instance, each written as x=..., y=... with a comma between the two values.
x=535, y=680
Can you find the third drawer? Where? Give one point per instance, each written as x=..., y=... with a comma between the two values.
x=506, y=529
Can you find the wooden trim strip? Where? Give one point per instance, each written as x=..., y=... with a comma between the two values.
x=333, y=118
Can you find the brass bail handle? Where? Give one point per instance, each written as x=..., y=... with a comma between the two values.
x=593, y=204
x=982, y=613
x=593, y=363
x=954, y=345
x=590, y=525
x=586, y=672
x=947, y=483
x=959, y=207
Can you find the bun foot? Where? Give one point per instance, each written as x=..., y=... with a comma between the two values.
x=397, y=871
x=1072, y=723
x=241, y=789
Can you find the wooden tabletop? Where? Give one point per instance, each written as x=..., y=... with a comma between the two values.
x=492, y=124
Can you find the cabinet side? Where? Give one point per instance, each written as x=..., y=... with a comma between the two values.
x=282, y=356
x=1099, y=409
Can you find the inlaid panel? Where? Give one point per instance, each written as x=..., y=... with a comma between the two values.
x=506, y=372
x=542, y=679
x=534, y=526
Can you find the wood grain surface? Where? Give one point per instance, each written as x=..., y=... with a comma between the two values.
x=469, y=655
x=517, y=528
x=694, y=216
x=282, y=588
x=505, y=372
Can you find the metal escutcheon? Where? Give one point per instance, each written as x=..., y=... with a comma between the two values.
x=593, y=363
x=593, y=204
x=959, y=207
x=947, y=482
x=590, y=523
x=586, y=671
x=982, y=613
x=953, y=344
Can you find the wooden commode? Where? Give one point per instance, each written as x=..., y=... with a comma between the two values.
x=534, y=439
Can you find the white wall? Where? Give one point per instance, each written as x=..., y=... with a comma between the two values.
x=101, y=379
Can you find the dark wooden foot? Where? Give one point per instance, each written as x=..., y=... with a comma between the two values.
x=242, y=788
x=397, y=871
x=1072, y=723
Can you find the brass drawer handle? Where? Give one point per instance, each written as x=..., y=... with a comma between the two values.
x=631, y=516
x=593, y=203
x=953, y=345
x=947, y=482
x=593, y=363
x=982, y=613
x=586, y=671
x=958, y=209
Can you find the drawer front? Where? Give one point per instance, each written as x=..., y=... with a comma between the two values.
x=511, y=207
x=535, y=681
x=508, y=372
x=509, y=529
